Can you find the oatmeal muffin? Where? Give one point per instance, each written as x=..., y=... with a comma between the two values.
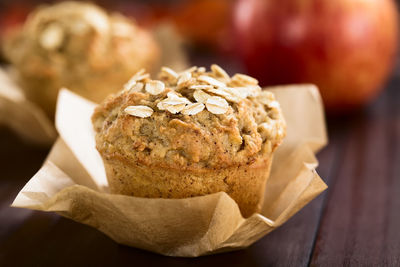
x=79, y=46
x=190, y=134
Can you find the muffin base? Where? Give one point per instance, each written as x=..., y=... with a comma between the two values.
x=245, y=184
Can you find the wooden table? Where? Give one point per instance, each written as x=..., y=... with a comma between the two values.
x=355, y=222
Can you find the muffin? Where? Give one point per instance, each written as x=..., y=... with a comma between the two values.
x=79, y=46
x=190, y=134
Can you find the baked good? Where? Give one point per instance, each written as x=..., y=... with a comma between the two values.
x=190, y=134
x=79, y=46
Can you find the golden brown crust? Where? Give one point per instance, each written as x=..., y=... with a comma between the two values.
x=78, y=46
x=243, y=184
x=184, y=142
x=152, y=146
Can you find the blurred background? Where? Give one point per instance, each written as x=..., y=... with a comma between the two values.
x=348, y=48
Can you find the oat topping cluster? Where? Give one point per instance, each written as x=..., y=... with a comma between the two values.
x=211, y=90
x=191, y=120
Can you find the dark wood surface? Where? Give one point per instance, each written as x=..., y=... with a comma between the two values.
x=356, y=222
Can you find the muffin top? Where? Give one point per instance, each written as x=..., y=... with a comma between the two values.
x=189, y=120
x=75, y=38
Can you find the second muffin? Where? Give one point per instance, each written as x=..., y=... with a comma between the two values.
x=79, y=46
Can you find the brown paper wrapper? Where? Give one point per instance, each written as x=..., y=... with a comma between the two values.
x=72, y=182
x=20, y=114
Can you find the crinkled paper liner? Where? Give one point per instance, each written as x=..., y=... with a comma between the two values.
x=20, y=114
x=72, y=182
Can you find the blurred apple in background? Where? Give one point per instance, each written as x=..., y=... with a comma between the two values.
x=205, y=22
x=346, y=47
x=12, y=16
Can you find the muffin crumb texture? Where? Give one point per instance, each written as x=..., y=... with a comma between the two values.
x=191, y=120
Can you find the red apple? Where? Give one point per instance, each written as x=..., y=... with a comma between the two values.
x=10, y=17
x=204, y=22
x=346, y=47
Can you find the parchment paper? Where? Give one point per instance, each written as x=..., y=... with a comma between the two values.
x=72, y=183
x=21, y=115
x=30, y=122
